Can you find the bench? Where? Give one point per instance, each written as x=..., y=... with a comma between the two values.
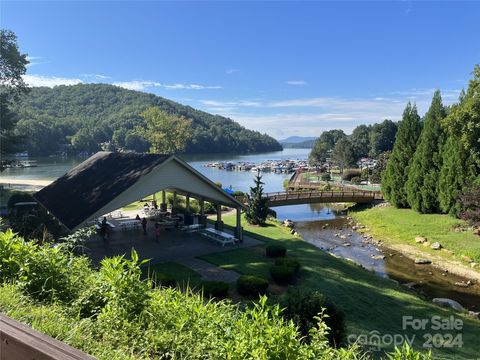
x=194, y=227
x=219, y=236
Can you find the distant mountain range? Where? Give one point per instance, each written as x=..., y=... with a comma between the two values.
x=299, y=142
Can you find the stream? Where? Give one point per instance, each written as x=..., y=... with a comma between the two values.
x=335, y=236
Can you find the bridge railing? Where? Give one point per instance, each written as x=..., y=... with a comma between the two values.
x=284, y=195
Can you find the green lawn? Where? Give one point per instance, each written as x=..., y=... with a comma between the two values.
x=182, y=274
x=400, y=226
x=369, y=301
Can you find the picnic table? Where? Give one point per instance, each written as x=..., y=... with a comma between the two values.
x=130, y=224
x=219, y=236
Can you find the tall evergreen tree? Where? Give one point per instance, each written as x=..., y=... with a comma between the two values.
x=457, y=169
x=422, y=184
x=257, y=211
x=396, y=174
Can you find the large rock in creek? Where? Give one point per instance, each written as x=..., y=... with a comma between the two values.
x=420, y=239
x=423, y=261
x=448, y=303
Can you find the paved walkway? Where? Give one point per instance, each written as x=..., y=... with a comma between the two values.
x=209, y=271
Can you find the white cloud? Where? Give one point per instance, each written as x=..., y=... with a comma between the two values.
x=296, y=82
x=231, y=71
x=137, y=85
x=141, y=85
x=49, y=81
x=35, y=60
x=307, y=116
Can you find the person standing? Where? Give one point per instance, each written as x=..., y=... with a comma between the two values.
x=157, y=232
x=144, y=226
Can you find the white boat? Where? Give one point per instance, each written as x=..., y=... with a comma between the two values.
x=23, y=154
x=28, y=163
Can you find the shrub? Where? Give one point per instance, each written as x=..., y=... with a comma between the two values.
x=217, y=289
x=288, y=262
x=356, y=180
x=326, y=177
x=303, y=306
x=250, y=285
x=349, y=174
x=282, y=274
x=238, y=193
x=276, y=251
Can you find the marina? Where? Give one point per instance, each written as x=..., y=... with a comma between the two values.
x=276, y=166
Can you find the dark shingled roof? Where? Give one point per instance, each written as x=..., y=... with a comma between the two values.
x=91, y=185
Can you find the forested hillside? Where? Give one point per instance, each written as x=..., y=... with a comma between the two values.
x=82, y=117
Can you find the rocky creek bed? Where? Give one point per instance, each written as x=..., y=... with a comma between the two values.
x=337, y=237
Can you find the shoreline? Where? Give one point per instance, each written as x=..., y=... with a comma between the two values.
x=25, y=182
x=452, y=266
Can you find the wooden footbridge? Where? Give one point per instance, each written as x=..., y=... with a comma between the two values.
x=312, y=197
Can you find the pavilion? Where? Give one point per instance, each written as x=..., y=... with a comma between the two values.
x=108, y=181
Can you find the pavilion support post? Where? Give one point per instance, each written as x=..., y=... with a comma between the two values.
x=187, y=203
x=174, y=203
x=203, y=219
x=219, y=222
x=163, y=205
x=239, y=229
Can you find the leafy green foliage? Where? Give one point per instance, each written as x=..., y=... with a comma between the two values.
x=303, y=307
x=275, y=250
x=464, y=119
x=257, y=210
x=13, y=65
x=250, y=285
x=396, y=174
x=424, y=171
x=167, y=133
x=343, y=154
x=81, y=117
x=382, y=137
x=324, y=145
x=360, y=139
x=407, y=353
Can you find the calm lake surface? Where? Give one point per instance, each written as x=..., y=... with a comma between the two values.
x=310, y=220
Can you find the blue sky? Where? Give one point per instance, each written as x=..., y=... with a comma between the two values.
x=284, y=68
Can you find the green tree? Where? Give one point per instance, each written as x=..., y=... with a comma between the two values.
x=424, y=171
x=380, y=167
x=257, y=211
x=396, y=174
x=324, y=145
x=382, y=137
x=342, y=153
x=464, y=119
x=167, y=133
x=13, y=66
x=361, y=141
x=457, y=169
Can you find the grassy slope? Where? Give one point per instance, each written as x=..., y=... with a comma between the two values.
x=370, y=302
x=400, y=226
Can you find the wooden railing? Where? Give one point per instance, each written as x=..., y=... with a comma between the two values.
x=20, y=342
x=336, y=196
